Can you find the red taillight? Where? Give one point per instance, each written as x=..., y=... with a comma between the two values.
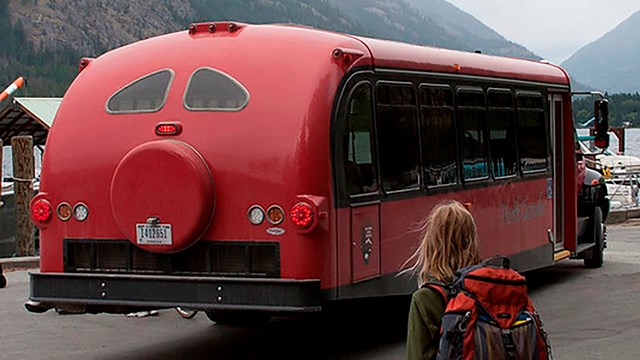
x=41, y=210
x=164, y=129
x=303, y=216
x=601, y=143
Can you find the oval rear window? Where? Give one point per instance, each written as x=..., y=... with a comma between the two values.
x=213, y=90
x=147, y=94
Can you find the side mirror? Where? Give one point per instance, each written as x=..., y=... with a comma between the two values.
x=601, y=112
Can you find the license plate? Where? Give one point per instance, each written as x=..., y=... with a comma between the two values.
x=154, y=234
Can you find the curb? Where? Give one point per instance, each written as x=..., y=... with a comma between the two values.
x=20, y=263
x=620, y=216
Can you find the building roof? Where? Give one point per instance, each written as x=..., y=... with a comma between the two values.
x=28, y=116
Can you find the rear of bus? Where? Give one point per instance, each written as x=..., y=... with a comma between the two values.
x=193, y=169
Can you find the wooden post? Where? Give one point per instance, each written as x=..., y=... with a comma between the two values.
x=23, y=174
x=619, y=132
x=1, y=166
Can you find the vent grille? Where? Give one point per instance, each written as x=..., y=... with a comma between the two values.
x=253, y=259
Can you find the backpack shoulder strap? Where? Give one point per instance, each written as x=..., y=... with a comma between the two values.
x=440, y=288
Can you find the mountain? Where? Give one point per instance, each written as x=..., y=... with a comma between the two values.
x=611, y=63
x=429, y=22
x=473, y=34
x=44, y=40
x=397, y=20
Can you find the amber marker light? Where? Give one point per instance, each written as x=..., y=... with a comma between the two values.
x=275, y=214
x=64, y=211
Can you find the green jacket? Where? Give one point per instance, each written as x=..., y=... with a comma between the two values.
x=423, y=330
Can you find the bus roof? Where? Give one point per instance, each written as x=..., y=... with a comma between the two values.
x=383, y=54
x=397, y=55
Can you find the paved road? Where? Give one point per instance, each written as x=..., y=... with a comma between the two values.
x=589, y=314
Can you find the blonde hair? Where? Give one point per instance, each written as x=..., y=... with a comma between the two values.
x=449, y=242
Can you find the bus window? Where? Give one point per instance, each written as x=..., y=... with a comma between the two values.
x=398, y=136
x=146, y=94
x=472, y=119
x=438, y=134
x=361, y=172
x=213, y=90
x=532, y=138
x=502, y=133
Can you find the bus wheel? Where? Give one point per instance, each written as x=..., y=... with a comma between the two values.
x=235, y=317
x=594, y=257
x=3, y=281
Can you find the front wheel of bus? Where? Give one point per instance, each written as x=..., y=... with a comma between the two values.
x=235, y=317
x=594, y=257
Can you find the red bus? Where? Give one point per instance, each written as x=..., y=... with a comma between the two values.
x=243, y=169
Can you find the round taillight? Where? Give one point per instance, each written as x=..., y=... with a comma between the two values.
x=41, y=210
x=64, y=211
x=302, y=216
x=275, y=214
x=80, y=212
x=255, y=215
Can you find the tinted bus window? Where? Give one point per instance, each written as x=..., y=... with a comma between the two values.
x=146, y=94
x=532, y=138
x=438, y=135
x=502, y=133
x=213, y=90
x=398, y=136
x=359, y=165
x=472, y=120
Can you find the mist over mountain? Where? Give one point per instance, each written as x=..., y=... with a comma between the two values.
x=44, y=40
x=611, y=63
x=473, y=34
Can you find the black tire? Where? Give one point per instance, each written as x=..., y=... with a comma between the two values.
x=236, y=317
x=3, y=281
x=594, y=257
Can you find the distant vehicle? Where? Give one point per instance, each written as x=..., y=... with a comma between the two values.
x=248, y=170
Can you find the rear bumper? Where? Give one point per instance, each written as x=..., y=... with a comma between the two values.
x=121, y=293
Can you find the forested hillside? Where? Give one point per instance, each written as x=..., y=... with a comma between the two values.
x=623, y=108
x=44, y=40
x=49, y=71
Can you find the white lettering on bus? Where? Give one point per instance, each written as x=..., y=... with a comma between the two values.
x=521, y=211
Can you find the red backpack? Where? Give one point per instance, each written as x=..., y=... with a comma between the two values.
x=489, y=316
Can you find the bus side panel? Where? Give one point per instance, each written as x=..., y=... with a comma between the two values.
x=513, y=220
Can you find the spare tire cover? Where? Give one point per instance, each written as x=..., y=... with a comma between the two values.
x=166, y=182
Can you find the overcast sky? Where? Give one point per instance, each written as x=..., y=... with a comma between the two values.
x=553, y=29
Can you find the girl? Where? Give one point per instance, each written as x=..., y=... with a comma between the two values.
x=449, y=242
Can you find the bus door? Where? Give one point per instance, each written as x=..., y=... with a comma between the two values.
x=365, y=242
x=555, y=112
x=360, y=181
